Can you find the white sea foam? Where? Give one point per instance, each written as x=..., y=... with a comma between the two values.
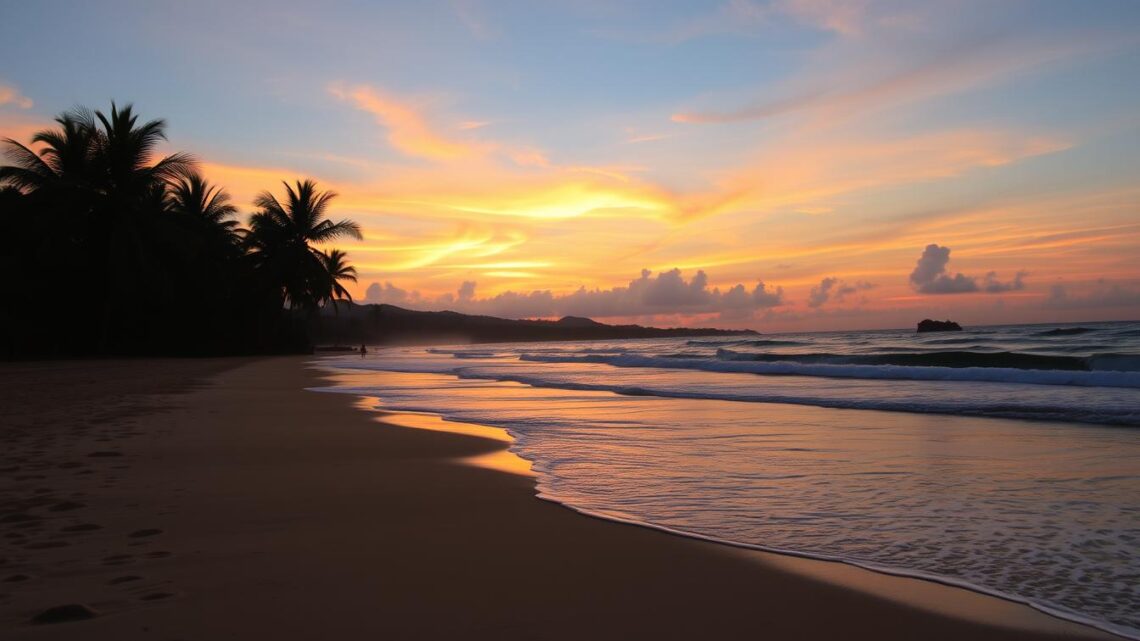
x=874, y=372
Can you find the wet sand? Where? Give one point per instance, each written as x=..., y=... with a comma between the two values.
x=217, y=499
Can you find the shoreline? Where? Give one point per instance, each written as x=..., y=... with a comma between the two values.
x=270, y=511
x=832, y=569
x=929, y=592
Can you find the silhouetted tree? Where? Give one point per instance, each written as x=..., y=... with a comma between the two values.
x=280, y=243
x=336, y=269
x=65, y=160
x=191, y=195
x=113, y=249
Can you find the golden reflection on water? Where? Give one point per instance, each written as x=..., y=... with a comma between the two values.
x=500, y=459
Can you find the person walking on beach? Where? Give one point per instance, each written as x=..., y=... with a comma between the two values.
x=363, y=350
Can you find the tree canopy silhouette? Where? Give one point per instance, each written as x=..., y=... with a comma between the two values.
x=280, y=243
x=113, y=249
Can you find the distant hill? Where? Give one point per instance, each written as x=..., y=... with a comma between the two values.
x=386, y=324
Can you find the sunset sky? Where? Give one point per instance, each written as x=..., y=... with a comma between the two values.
x=784, y=165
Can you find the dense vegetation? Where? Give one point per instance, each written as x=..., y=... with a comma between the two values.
x=111, y=250
x=388, y=325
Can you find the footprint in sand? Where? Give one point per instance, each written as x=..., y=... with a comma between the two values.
x=45, y=545
x=118, y=559
x=20, y=517
x=65, y=613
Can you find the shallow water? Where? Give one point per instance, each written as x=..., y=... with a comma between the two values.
x=1047, y=512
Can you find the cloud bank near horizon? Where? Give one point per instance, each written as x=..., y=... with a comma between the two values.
x=930, y=276
x=835, y=290
x=666, y=293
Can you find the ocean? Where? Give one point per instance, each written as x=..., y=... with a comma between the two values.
x=1002, y=459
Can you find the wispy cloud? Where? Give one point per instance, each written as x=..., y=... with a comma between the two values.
x=809, y=171
x=10, y=95
x=408, y=127
x=842, y=16
x=734, y=16
x=751, y=17
x=883, y=69
x=633, y=137
x=474, y=18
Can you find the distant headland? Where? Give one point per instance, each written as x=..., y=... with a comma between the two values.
x=388, y=324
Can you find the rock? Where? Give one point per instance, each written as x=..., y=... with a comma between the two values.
x=65, y=613
x=928, y=325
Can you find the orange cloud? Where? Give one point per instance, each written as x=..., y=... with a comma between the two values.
x=408, y=128
x=473, y=124
x=634, y=139
x=807, y=173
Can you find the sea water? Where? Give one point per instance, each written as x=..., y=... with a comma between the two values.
x=1003, y=459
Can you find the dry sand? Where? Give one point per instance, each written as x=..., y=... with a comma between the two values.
x=216, y=499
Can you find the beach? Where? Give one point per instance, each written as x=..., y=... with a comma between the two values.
x=220, y=499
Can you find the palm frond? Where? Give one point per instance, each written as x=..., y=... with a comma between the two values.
x=173, y=166
x=29, y=171
x=328, y=230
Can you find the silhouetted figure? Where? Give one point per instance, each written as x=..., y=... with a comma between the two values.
x=363, y=351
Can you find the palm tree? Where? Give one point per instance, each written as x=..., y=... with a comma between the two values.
x=280, y=242
x=197, y=201
x=129, y=218
x=123, y=151
x=151, y=250
x=336, y=269
x=66, y=157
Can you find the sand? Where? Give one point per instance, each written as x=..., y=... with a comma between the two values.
x=217, y=499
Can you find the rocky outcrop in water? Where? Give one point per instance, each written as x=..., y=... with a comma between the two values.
x=927, y=325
